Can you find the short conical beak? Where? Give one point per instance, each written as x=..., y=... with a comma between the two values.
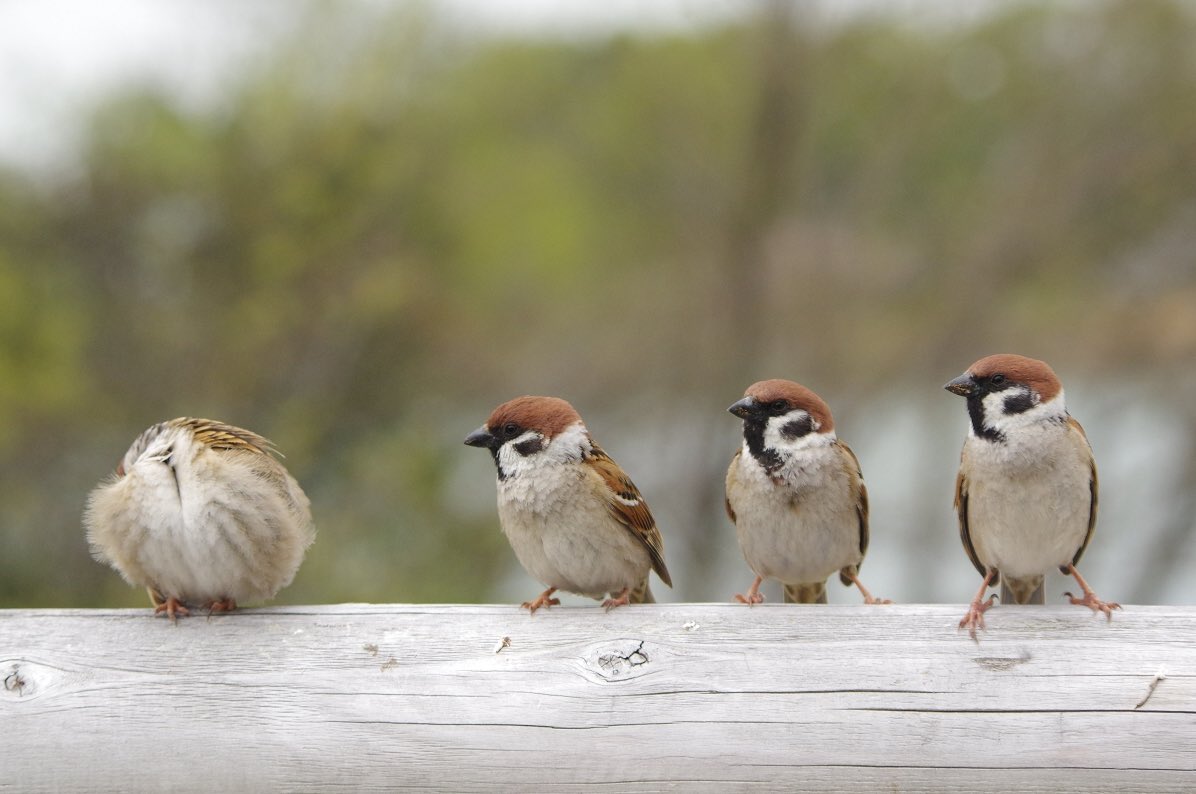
x=743, y=408
x=480, y=438
x=964, y=386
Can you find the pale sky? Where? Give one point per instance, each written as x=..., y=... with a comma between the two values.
x=58, y=58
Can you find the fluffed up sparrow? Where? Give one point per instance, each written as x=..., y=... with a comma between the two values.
x=202, y=515
x=575, y=520
x=1026, y=492
x=796, y=495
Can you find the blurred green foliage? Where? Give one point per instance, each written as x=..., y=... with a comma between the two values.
x=386, y=228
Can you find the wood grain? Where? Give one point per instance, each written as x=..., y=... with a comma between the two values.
x=647, y=698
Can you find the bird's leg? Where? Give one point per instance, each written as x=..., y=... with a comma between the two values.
x=545, y=599
x=753, y=594
x=221, y=605
x=173, y=608
x=974, y=618
x=1090, y=600
x=868, y=598
x=156, y=598
x=623, y=598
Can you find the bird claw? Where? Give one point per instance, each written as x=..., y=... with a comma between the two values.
x=1095, y=604
x=173, y=608
x=874, y=600
x=222, y=605
x=543, y=599
x=750, y=599
x=621, y=600
x=974, y=618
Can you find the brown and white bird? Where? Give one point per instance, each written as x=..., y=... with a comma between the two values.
x=202, y=515
x=575, y=520
x=1026, y=492
x=796, y=495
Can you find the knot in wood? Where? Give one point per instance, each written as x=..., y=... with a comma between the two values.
x=14, y=682
x=620, y=663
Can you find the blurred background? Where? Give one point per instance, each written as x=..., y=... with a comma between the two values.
x=357, y=227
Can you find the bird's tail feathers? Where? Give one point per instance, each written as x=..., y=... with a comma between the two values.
x=1022, y=591
x=814, y=593
x=642, y=594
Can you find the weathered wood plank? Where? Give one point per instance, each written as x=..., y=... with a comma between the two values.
x=690, y=696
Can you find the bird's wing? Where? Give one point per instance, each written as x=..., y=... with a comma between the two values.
x=961, y=511
x=628, y=507
x=731, y=482
x=219, y=435
x=1078, y=436
x=852, y=464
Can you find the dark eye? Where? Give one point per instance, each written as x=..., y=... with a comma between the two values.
x=780, y=405
x=997, y=379
x=510, y=429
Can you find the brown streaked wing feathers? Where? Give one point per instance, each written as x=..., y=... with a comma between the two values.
x=636, y=517
x=731, y=473
x=965, y=533
x=861, y=507
x=218, y=435
x=1092, y=487
x=862, y=504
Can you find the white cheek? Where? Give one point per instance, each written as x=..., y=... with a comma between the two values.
x=996, y=418
x=775, y=439
x=569, y=445
x=514, y=462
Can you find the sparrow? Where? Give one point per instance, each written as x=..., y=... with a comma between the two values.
x=796, y=495
x=573, y=517
x=1026, y=493
x=201, y=514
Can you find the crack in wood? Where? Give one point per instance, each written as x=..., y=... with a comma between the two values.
x=1002, y=663
x=611, y=661
x=979, y=710
x=1151, y=687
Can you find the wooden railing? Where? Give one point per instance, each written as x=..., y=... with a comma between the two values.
x=711, y=697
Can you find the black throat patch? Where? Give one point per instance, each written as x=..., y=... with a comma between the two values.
x=753, y=433
x=976, y=414
x=502, y=475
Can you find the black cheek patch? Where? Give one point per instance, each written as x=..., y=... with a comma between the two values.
x=529, y=447
x=1019, y=403
x=797, y=428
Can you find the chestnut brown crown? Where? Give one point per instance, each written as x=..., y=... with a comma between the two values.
x=548, y=416
x=1036, y=374
x=766, y=392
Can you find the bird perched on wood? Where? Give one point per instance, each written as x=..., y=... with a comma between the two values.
x=575, y=520
x=796, y=495
x=1026, y=493
x=202, y=515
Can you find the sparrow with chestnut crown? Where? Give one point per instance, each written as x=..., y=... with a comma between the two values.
x=1026, y=493
x=796, y=495
x=201, y=514
x=574, y=519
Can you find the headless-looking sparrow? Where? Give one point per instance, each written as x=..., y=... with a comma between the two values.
x=1026, y=492
x=576, y=522
x=203, y=515
x=796, y=495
